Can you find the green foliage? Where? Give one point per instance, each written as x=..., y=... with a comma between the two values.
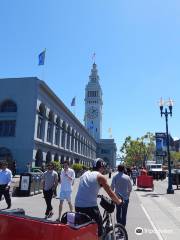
x=57, y=166
x=77, y=166
x=175, y=157
x=135, y=152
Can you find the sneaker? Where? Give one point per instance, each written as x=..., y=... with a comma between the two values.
x=8, y=207
x=50, y=214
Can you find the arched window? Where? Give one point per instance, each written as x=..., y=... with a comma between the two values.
x=41, y=121
x=48, y=157
x=57, y=131
x=62, y=159
x=58, y=121
x=56, y=157
x=63, y=134
x=76, y=142
x=42, y=109
x=77, y=160
x=82, y=147
x=68, y=138
x=51, y=116
x=8, y=106
x=79, y=144
x=50, y=126
x=72, y=141
x=39, y=158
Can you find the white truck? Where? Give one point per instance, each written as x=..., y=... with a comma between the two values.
x=155, y=169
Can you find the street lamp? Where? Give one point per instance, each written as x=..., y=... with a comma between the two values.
x=169, y=103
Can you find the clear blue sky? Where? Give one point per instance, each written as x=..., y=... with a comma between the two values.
x=137, y=45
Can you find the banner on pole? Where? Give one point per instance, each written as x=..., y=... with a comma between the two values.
x=161, y=145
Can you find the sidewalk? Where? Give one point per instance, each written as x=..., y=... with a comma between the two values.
x=156, y=213
x=162, y=211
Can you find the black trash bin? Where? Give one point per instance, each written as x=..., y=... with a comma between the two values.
x=30, y=184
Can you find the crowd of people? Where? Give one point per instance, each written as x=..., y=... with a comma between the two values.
x=89, y=185
x=88, y=189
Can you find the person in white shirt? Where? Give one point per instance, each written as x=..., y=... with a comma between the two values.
x=5, y=181
x=66, y=180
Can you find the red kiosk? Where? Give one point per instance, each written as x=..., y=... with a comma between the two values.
x=144, y=181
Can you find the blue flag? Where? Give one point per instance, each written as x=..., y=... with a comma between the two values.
x=73, y=102
x=42, y=57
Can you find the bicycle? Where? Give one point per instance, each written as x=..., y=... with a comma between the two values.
x=111, y=231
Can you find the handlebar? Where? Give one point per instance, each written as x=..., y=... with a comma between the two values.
x=119, y=195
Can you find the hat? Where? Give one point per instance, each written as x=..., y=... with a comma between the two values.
x=99, y=162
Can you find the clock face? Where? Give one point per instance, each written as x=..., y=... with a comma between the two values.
x=92, y=112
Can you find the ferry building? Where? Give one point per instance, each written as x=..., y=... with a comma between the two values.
x=36, y=127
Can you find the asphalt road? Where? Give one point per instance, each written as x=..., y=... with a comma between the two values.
x=155, y=213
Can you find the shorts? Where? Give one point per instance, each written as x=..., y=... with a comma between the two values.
x=94, y=213
x=65, y=195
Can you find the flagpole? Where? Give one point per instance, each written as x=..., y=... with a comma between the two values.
x=43, y=74
x=73, y=104
x=75, y=107
x=43, y=70
x=110, y=132
x=94, y=57
x=74, y=112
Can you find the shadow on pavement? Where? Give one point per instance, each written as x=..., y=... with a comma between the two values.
x=143, y=190
x=153, y=195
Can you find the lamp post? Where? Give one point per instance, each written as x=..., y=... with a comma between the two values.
x=170, y=189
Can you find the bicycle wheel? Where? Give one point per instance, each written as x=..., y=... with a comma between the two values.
x=119, y=233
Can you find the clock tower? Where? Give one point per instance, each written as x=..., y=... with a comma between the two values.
x=93, y=105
